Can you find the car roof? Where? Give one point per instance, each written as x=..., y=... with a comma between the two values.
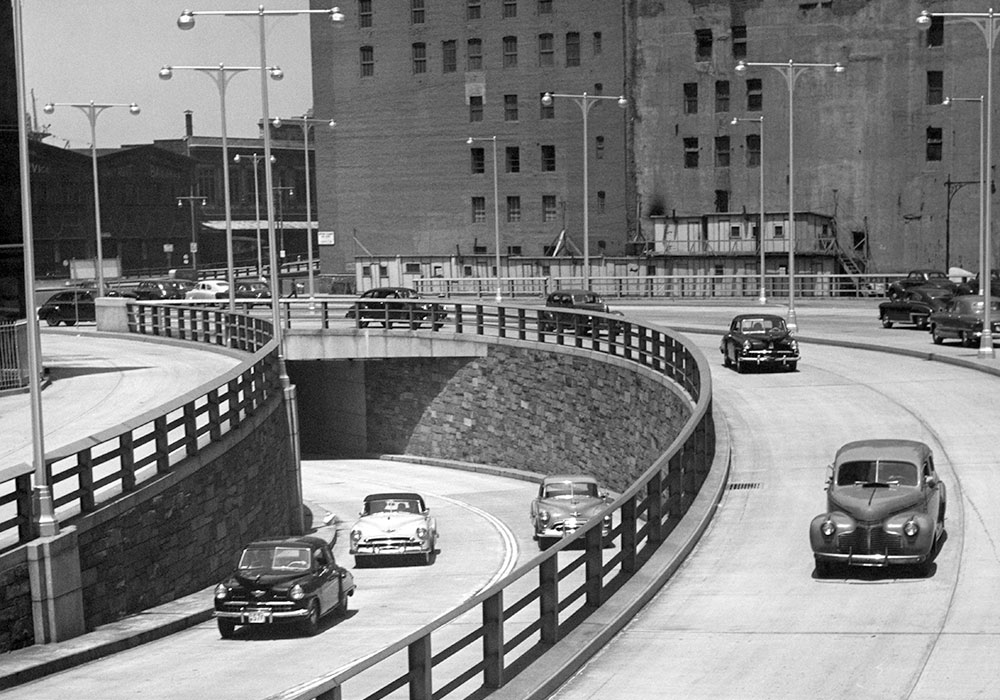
x=740, y=317
x=396, y=495
x=556, y=478
x=291, y=541
x=867, y=450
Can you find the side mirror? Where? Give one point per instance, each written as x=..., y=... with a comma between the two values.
x=930, y=480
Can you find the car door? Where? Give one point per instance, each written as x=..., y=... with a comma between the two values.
x=328, y=577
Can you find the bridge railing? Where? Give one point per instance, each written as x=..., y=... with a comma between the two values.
x=503, y=629
x=90, y=472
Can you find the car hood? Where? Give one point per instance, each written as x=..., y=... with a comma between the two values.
x=586, y=506
x=874, y=502
x=391, y=522
x=268, y=580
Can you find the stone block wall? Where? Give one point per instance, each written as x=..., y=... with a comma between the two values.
x=16, y=629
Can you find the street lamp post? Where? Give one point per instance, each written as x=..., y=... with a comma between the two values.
x=986, y=22
x=280, y=193
x=957, y=185
x=496, y=206
x=585, y=102
x=305, y=121
x=191, y=199
x=256, y=203
x=791, y=71
x=221, y=75
x=92, y=111
x=762, y=297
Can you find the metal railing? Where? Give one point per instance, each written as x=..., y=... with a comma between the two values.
x=102, y=467
x=13, y=355
x=507, y=626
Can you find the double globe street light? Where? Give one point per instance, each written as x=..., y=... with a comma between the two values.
x=496, y=205
x=762, y=297
x=256, y=158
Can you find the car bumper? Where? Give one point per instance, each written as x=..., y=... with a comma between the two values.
x=769, y=359
x=375, y=550
x=871, y=560
x=255, y=615
x=567, y=528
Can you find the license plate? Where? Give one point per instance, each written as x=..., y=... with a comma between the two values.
x=389, y=550
x=256, y=617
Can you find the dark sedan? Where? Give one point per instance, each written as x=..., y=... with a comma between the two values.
x=577, y=299
x=962, y=319
x=69, y=307
x=293, y=580
x=921, y=278
x=916, y=304
x=396, y=305
x=761, y=340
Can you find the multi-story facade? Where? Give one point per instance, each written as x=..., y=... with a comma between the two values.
x=12, y=296
x=409, y=81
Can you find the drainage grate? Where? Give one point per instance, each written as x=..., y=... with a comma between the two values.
x=744, y=485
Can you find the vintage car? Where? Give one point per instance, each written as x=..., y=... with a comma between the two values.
x=292, y=580
x=962, y=319
x=394, y=524
x=69, y=307
x=885, y=506
x=914, y=306
x=565, y=502
x=208, y=289
x=921, y=278
x=972, y=286
x=577, y=299
x=396, y=305
x=761, y=340
x=155, y=289
x=250, y=291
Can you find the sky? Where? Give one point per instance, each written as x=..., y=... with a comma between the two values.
x=111, y=51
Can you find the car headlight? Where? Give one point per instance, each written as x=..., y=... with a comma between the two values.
x=910, y=529
x=296, y=593
x=421, y=533
x=828, y=528
x=543, y=516
x=355, y=536
x=794, y=345
x=747, y=346
x=221, y=591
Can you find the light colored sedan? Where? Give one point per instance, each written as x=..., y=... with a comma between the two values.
x=209, y=289
x=394, y=524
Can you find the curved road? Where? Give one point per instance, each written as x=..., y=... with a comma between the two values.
x=747, y=617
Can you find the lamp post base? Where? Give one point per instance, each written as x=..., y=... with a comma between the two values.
x=792, y=322
x=762, y=299
x=986, y=351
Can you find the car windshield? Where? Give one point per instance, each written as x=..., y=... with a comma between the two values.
x=569, y=489
x=263, y=559
x=877, y=471
x=392, y=505
x=760, y=325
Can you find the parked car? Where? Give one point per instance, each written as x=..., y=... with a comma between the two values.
x=579, y=300
x=293, y=580
x=565, y=502
x=962, y=319
x=885, y=506
x=972, y=286
x=394, y=524
x=914, y=306
x=249, y=291
x=762, y=340
x=155, y=290
x=921, y=278
x=68, y=307
x=208, y=289
x=389, y=305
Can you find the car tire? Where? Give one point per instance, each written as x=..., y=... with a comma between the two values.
x=823, y=568
x=935, y=337
x=70, y=322
x=739, y=365
x=921, y=323
x=342, y=602
x=792, y=366
x=968, y=340
x=227, y=627
x=310, y=625
x=545, y=542
x=886, y=323
x=726, y=362
x=52, y=320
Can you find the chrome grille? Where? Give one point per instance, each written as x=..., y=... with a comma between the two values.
x=870, y=540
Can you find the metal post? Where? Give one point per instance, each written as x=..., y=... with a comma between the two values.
x=496, y=216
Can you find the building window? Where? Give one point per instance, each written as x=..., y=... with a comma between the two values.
x=449, y=56
x=735, y=232
x=513, y=210
x=935, y=87
x=545, y=7
x=546, y=50
x=778, y=231
x=479, y=210
x=419, y=58
x=476, y=108
x=364, y=13
x=474, y=56
x=510, y=52
x=367, y=61
x=753, y=150
x=599, y=148
x=548, y=207
x=755, y=95
x=935, y=34
x=598, y=39
x=739, y=41
x=478, y=160
x=416, y=11
x=721, y=95
x=474, y=9
x=509, y=8
x=411, y=268
x=513, y=159
x=547, y=111
x=703, y=45
x=510, y=108
x=572, y=49
x=935, y=143
x=722, y=151
x=548, y=159
x=721, y=201
x=690, y=98
x=691, y=152
x=602, y=198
